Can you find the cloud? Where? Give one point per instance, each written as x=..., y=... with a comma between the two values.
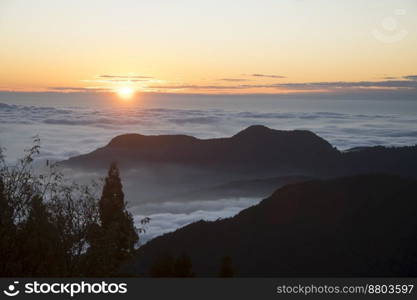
x=121, y=80
x=267, y=75
x=78, y=89
x=125, y=76
x=349, y=84
x=195, y=120
x=196, y=87
x=406, y=83
x=234, y=79
x=410, y=77
x=178, y=214
x=304, y=86
x=68, y=128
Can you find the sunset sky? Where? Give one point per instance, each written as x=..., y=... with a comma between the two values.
x=193, y=46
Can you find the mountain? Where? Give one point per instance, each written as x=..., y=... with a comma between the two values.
x=256, y=188
x=258, y=150
x=393, y=160
x=257, y=147
x=354, y=226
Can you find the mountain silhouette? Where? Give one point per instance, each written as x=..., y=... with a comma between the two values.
x=378, y=159
x=353, y=226
x=251, y=149
x=257, y=149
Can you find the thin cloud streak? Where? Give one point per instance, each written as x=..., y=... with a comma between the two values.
x=410, y=77
x=125, y=76
x=408, y=82
x=348, y=84
x=78, y=89
x=234, y=79
x=267, y=75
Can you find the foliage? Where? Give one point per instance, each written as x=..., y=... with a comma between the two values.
x=46, y=223
x=113, y=241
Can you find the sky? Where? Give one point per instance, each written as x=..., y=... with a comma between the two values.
x=195, y=46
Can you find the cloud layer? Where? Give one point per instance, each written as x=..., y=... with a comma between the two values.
x=177, y=215
x=406, y=83
x=398, y=85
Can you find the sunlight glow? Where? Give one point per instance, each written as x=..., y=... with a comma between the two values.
x=125, y=92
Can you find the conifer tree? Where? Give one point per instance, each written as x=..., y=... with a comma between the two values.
x=114, y=240
x=112, y=204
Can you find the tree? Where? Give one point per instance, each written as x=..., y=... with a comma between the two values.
x=43, y=220
x=41, y=251
x=7, y=230
x=52, y=227
x=112, y=242
x=226, y=268
x=6, y=212
x=5, y=209
x=112, y=204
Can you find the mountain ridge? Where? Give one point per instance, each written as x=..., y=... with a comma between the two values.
x=250, y=150
x=352, y=226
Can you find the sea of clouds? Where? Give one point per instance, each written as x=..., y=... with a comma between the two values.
x=67, y=130
x=176, y=214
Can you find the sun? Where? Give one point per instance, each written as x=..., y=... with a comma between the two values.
x=125, y=92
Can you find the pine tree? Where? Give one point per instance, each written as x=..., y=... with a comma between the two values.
x=112, y=203
x=113, y=242
x=115, y=219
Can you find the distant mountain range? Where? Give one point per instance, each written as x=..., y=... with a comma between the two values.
x=354, y=226
x=257, y=149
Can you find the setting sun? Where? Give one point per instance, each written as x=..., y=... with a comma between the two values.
x=125, y=92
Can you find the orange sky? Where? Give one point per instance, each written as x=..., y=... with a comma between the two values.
x=206, y=46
